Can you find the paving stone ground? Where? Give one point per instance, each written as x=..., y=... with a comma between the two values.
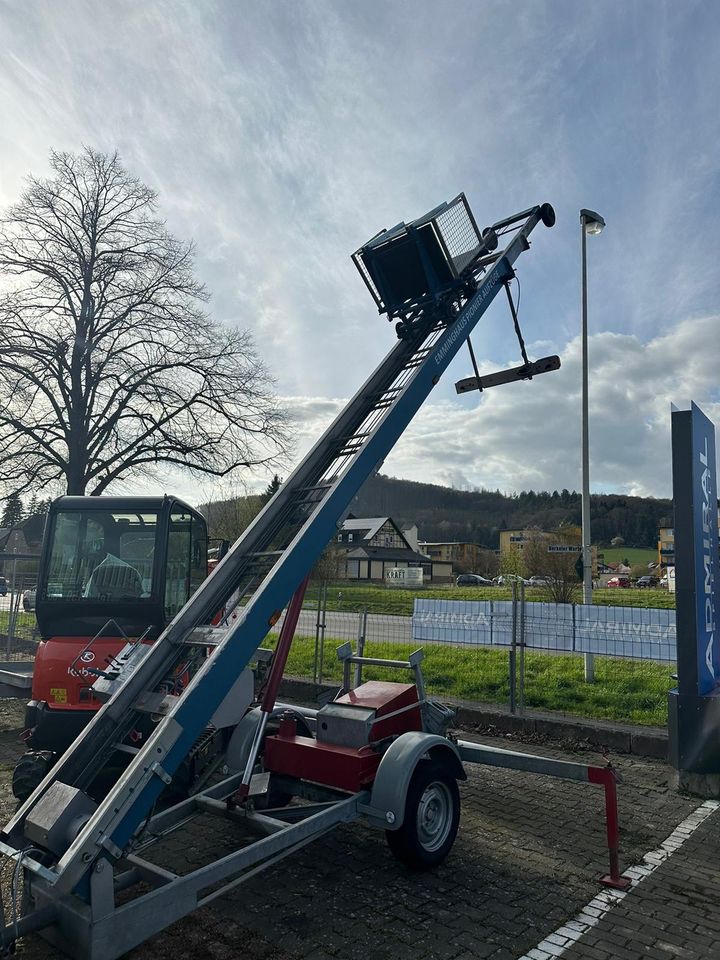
x=527, y=859
x=671, y=914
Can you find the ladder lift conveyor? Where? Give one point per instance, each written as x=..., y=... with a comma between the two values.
x=435, y=277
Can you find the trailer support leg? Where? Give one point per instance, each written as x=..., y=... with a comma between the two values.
x=563, y=770
x=606, y=777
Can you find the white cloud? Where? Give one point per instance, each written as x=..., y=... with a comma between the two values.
x=527, y=435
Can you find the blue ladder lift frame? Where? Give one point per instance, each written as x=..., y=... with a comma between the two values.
x=130, y=801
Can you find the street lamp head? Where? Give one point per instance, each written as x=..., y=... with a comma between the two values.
x=592, y=222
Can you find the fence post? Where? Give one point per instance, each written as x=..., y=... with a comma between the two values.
x=513, y=645
x=362, y=632
x=521, y=691
x=323, y=618
x=317, y=635
x=12, y=610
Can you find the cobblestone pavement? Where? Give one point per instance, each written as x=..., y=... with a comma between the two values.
x=527, y=859
x=671, y=914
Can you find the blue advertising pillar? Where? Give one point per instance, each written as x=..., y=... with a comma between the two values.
x=694, y=707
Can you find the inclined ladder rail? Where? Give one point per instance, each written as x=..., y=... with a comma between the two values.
x=271, y=558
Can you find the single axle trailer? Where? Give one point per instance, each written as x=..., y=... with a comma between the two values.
x=412, y=795
x=84, y=876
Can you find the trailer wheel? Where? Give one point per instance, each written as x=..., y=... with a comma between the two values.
x=30, y=770
x=432, y=815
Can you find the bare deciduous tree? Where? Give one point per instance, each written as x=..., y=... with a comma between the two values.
x=109, y=366
x=554, y=556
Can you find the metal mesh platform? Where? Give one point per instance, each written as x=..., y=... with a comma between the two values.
x=411, y=264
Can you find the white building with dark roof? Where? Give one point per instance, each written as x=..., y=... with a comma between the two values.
x=374, y=545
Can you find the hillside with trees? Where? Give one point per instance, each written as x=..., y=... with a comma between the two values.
x=442, y=513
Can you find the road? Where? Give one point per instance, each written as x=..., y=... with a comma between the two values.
x=340, y=625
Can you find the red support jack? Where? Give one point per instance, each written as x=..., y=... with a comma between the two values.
x=563, y=770
x=606, y=777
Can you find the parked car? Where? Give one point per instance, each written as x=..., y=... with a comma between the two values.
x=3, y=587
x=539, y=581
x=506, y=579
x=29, y=600
x=647, y=581
x=473, y=580
x=619, y=582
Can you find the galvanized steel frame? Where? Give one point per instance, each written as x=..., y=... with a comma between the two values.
x=124, y=810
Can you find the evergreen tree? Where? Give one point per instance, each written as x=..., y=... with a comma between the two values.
x=13, y=512
x=272, y=488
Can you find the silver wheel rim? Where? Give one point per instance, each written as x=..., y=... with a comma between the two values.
x=434, y=816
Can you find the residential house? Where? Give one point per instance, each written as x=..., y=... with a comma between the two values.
x=374, y=545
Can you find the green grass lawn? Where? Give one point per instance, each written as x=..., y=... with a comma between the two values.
x=377, y=598
x=634, y=555
x=24, y=623
x=619, y=597
x=624, y=690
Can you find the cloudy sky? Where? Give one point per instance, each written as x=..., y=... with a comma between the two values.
x=282, y=134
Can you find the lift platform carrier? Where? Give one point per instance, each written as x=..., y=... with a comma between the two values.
x=85, y=875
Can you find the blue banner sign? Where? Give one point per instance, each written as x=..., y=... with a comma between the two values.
x=636, y=632
x=705, y=522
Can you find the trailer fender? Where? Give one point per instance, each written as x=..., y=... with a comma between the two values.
x=387, y=801
x=241, y=740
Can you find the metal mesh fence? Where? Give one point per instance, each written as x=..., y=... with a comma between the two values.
x=522, y=655
x=18, y=626
x=518, y=655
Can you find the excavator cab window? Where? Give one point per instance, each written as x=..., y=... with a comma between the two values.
x=98, y=556
x=134, y=561
x=186, y=560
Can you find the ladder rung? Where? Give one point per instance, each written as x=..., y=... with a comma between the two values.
x=126, y=748
x=386, y=401
x=354, y=436
x=384, y=395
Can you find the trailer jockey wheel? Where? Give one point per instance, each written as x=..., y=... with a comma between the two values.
x=432, y=814
x=30, y=770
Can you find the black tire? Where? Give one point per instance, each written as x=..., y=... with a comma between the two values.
x=432, y=815
x=30, y=770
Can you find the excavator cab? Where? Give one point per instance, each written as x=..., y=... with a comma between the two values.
x=111, y=569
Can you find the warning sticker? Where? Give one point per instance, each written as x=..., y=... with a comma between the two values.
x=59, y=694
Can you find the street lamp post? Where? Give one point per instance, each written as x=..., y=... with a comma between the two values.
x=590, y=223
